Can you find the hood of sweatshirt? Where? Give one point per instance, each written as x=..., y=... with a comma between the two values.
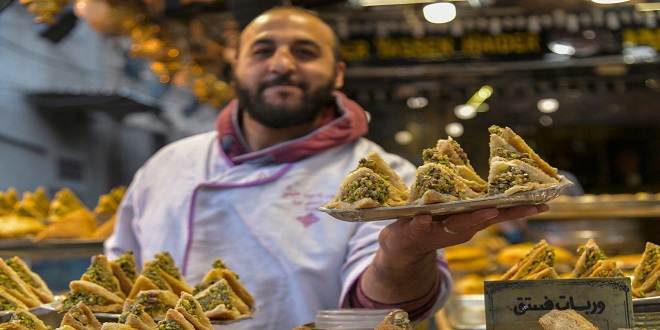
x=348, y=123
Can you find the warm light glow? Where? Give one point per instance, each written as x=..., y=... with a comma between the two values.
x=548, y=105
x=367, y=3
x=545, y=120
x=465, y=111
x=417, y=102
x=440, y=12
x=608, y=2
x=403, y=137
x=647, y=6
x=561, y=48
x=454, y=129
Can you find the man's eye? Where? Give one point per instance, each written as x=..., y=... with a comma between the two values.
x=262, y=51
x=304, y=52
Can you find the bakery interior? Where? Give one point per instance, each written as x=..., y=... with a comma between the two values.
x=85, y=100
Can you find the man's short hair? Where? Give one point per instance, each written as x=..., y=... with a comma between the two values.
x=336, y=49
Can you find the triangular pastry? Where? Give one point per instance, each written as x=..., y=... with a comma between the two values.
x=9, y=302
x=143, y=283
x=542, y=272
x=96, y=297
x=514, y=166
x=190, y=308
x=372, y=184
x=220, y=271
x=156, y=302
x=437, y=183
x=453, y=151
x=151, y=278
x=135, y=315
x=33, y=204
x=646, y=276
x=171, y=274
x=27, y=319
x=174, y=320
x=220, y=302
x=81, y=317
x=64, y=201
x=540, y=257
x=15, y=286
x=79, y=223
x=589, y=255
x=125, y=270
x=604, y=268
x=32, y=279
x=100, y=272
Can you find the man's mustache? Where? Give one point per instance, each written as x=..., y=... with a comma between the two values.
x=282, y=80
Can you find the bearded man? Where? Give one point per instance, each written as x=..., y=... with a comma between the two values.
x=248, y=192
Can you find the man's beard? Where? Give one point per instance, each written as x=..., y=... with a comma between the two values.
x=284, y=115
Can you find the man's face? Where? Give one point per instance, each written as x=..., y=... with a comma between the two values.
x=285, y=70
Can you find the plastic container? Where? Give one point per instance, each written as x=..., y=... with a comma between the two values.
x=353, y=319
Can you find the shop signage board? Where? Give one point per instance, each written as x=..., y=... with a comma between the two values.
x=609, y=32
x=605, y=302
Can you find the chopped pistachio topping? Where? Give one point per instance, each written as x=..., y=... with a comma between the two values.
x=169, y=325
x=21, y=273
x=217, y=295
x=369, y=186
x=73, y=298
x=433, y=155
x=512, y=176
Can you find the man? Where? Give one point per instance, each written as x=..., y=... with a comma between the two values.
x=248, y=192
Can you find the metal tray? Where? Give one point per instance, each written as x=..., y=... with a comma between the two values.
x=56, y=306
x=531, y=197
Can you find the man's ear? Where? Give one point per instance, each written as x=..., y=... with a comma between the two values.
x=339, y=77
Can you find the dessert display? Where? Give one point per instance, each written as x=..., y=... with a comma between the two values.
x=158, y=293
x=447, y=183
x=65, y=217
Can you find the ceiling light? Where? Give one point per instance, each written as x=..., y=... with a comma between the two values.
x=454, y=129
x=441, y=12
x=368, y=3
x=465, y=111
x=608, y=2
x=417, y=102
x=480, y=3
x=403, y=137
x=561, y=48
x=548, y=105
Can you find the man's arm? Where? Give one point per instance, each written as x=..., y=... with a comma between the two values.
x=405, y=266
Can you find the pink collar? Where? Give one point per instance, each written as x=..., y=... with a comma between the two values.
x=349, y=124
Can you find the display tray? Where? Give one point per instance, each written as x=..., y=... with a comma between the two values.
x=56, y=306
x=7, y=243
x=531, y=197
x=639, y=205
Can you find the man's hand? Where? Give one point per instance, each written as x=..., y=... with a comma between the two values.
x=424, y=233
x=405, y=266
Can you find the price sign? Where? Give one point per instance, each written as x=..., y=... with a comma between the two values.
x=605, y=302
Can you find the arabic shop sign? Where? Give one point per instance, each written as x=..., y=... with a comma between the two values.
x=474, y=44
x=605, y=302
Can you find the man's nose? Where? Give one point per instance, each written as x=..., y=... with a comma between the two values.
x=282, y=61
